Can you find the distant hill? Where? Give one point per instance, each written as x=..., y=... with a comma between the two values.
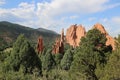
x=46, y=31
x=10, y=31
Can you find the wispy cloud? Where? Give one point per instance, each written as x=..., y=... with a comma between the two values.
x=2, y=2
x=54, y=13
x=116, y=20
x=91, y=18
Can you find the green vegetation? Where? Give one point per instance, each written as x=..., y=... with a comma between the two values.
x=92, y=60
x=9, y=33
x=112, y=68
x=90, y=54
x=67, y=60
x=22, y=55
x=48, y=61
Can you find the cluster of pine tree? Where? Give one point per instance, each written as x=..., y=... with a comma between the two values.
x=92, y=60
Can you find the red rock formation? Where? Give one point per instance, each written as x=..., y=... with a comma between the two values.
x=58, y=47
x=101, y=28
x=40, y=45
x=110, y=40
x=74, y=34
x=80, y=32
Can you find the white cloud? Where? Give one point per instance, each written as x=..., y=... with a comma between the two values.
x=68, y=9
x=2, y=2
x=53, y=14
x=24, y=10
x=58, y=7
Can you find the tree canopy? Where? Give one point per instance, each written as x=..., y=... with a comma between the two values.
x=89, y=54
x=23, y=55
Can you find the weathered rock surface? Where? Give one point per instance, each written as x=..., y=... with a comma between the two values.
x=74, y=34
x=40, y=45
x=110, y=40
x=101, y=28
x=58, y=47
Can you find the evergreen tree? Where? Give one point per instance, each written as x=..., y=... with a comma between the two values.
x=112, y=69
x=48, y=61
x=90, y=54
x=23, y=55
x=57, y=58
x=67, y=60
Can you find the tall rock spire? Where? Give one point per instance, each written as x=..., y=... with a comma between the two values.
x=40, y=45
x=58, y=47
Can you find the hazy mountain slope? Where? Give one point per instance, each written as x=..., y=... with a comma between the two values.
x=45, y=30
x=9, y=32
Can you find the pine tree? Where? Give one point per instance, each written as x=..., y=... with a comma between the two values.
x=58, y=57
x=48, y=61
x=112, y=69
x=23, y=55
x=67, y=60
x=90, y=54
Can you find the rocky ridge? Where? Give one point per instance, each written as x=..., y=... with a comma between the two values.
x=75, y=33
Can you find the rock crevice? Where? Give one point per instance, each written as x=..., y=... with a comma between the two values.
x=74, y=34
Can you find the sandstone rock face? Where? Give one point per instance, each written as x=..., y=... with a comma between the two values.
x=58, y=47
x=40, y=45
x=80, y=32
x=110, y=40
x=101, y=28
x=74, y=34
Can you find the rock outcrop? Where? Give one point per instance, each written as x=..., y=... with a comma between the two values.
x=58, y=47
x=40, y=45
x=110, y=41
x=74, y=34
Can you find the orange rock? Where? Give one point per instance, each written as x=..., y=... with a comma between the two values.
x=101, y=28
x=58, y=47
x=40, y=45
x=110, y=41
x=80, y=32
x=74, y=34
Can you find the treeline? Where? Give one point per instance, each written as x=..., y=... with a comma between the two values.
x=92, y=60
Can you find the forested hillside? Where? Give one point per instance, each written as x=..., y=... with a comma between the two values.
x=10, y=31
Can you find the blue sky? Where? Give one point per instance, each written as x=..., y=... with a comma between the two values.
x=58, y=14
